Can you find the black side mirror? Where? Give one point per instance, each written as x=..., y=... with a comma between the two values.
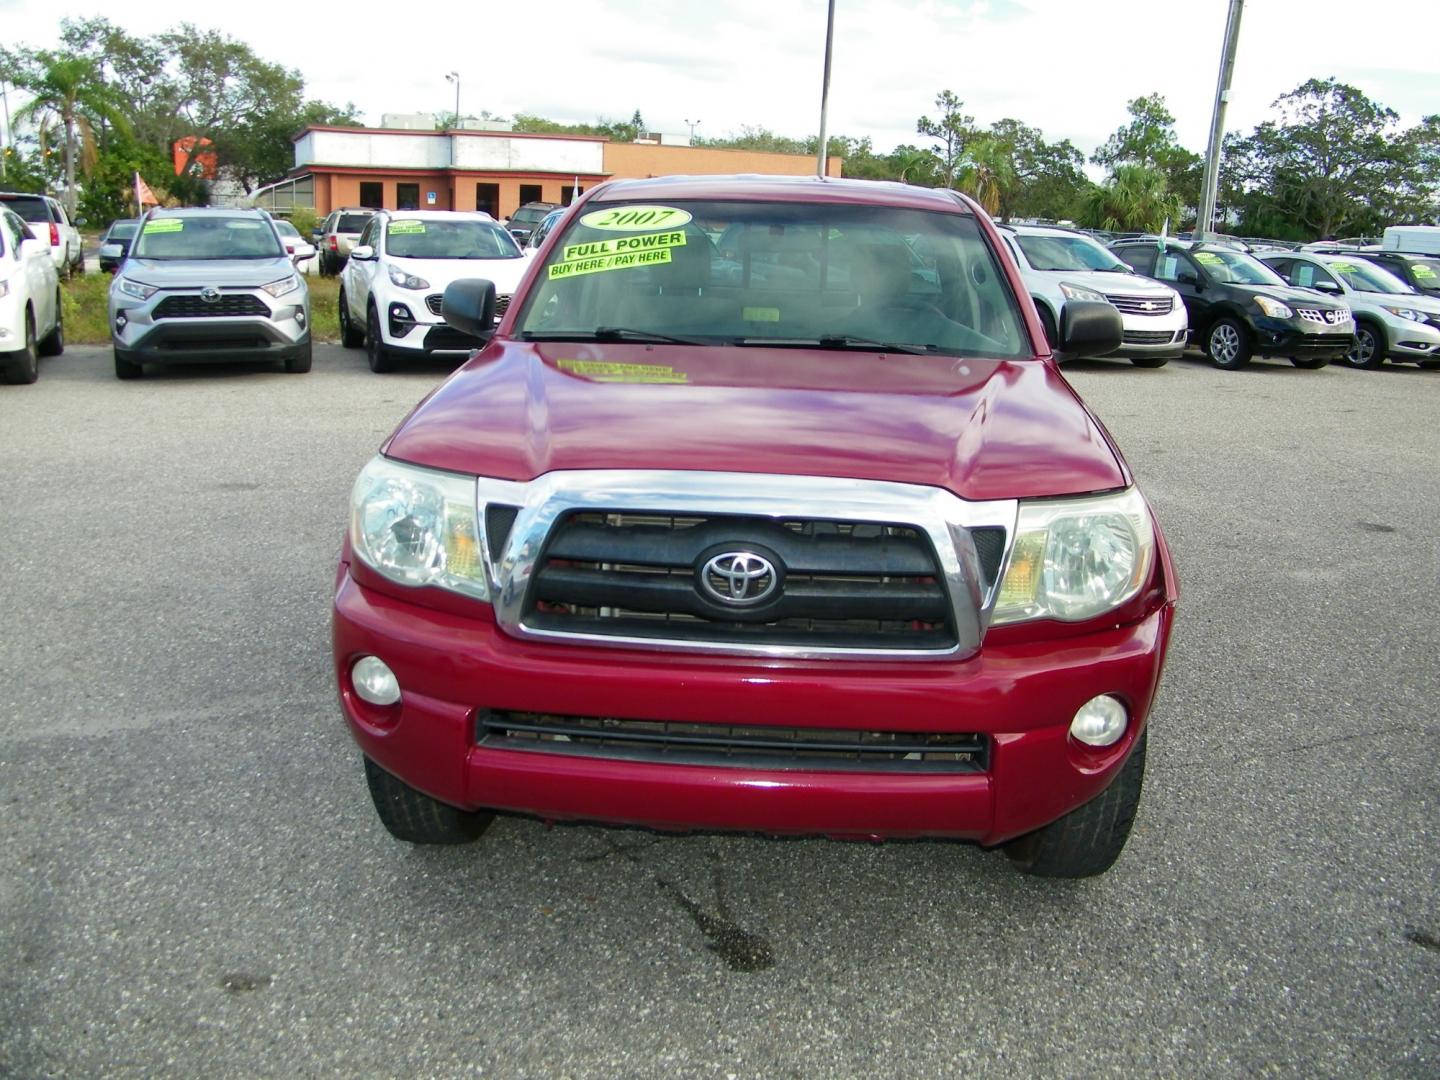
x=1188, y=277
x=469, y=306
x=1331, y=287
x=1090, y=328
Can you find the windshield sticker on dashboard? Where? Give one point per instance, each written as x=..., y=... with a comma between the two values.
x=1207, y=258
x=648, y=242
x=1343, y=267
x=607, y=371
x=1421, y=270
x=635, y=218
x=760, y=314
x=623, y=261
x=404, y=228
x=163, y=225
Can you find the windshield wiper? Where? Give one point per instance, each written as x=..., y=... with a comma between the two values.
x=840, y=341
x=611, y=333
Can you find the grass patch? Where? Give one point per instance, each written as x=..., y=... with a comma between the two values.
x=87, y=322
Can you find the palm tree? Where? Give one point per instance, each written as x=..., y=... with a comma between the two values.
x=69, y=90
x=987, y=172
x=1137, y=199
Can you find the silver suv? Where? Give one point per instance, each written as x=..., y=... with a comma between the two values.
x=208, y=285
x=1059, y=265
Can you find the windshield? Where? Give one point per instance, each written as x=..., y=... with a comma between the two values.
x=352, y=223
x=123, y=230
x=1068, y=253
x=1236, y=268
x=1426, y=272
x=411, y=239
x=528, y=217
x=207, y=238
x=284, y=228
x=784, y=274
x=29, y=209
x=1367, y=277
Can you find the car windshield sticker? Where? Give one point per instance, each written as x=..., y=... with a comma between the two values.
x=1421, y=270
x=1208, y=258
x=648, y=242
x=242, y=225
x=624, y=261
x=760, y=314
x=635, y=218
x=606, y=371
x=1344, y=267
x=163, y=225
x=406, y=228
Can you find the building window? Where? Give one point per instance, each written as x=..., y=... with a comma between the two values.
x=407, y=196
x=568, y=193
x=487, y=198
x=372, y=195
x=529, y=193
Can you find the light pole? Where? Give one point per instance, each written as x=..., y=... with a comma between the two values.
x=823, y=158
x=693, y=125
x=454, y=76
x=1204, y=220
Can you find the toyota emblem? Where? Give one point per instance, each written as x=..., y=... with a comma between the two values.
x=738, y=578
x=210, y=294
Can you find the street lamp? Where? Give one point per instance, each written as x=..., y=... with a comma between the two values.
x=454, y=76
x=693, y=125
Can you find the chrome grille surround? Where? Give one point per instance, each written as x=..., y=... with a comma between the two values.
x=1141, y=305
x=942, y=517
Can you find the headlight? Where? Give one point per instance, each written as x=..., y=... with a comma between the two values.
x=1080, y=292
x=1074, y=559
x=136, y=289
x=286, y=284
x=1274, y=308
x=417, y=527
x=1407, y=313
x=407, y=281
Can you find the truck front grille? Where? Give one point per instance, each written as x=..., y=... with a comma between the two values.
x=734, y=745
x=839, y=584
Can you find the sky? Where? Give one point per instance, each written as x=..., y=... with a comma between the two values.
x=1065, y=66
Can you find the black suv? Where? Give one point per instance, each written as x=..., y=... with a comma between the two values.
x=1418, y=271
x=1240, y=308
x=524, y=220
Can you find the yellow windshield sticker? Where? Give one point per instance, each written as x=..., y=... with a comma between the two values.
x=635, y=218
x=648, y=242
x=760, y=314
x=607, y=371
x=403, y=228
x=624, y=261
x=1421, y=270
x=164, y=225
x=1208, y=258
x=1343, y=267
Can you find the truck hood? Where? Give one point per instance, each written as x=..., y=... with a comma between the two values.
x=198, y=273
x=983, y=429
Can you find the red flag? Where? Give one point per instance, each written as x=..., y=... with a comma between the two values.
x=143, y=195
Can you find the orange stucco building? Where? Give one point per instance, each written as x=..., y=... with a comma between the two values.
x=495, y=171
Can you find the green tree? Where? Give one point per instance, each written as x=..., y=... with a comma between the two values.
x=1030, y=176
x=1149, y=140
x=1136, y=198
x=952, y=131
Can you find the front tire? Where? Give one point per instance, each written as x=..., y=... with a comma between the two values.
x=1089, y=839
x=23, y=367
x=1369, y=350
x=415, y=817
x=1228, y=345
x=126, y=368
x=381, y=360
x=300, y=363
x=53, y=343
x=351, y=336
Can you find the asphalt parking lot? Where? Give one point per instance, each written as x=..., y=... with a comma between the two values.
x=193, y=882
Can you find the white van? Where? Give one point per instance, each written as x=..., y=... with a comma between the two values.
x=1420, y=238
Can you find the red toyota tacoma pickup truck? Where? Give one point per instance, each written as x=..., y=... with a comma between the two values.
x=766, y=508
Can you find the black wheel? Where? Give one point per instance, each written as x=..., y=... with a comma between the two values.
x=300, y=363
x=126, y=368
x=1430, y=365
x=1089, y=839
x=1149, y=361
x=380, y=358
x=1047, y=323
x=53, y=343
x=415, y=817
x=1310, y=363
x=24, y=366
x=351, y=336
x=1228, y=344
x=1369, y=350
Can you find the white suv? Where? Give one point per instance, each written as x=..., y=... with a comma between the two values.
x=48, y=223
x=30, y=318
x=392, y=285
x=1059, y=265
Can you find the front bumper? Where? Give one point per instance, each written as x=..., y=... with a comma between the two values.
x=1299, y=337
x=1021, y=695
x=285, y=334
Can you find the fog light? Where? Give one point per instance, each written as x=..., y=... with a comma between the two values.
x=1100, y=722
x=374, y=682
x=121, y=321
